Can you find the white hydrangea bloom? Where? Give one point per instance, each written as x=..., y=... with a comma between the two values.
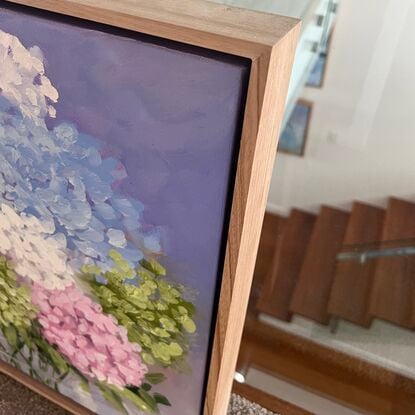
x=23, y=81
x=36, y=251
x=60, y=175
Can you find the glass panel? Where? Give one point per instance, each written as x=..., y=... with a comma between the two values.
x=331, y=321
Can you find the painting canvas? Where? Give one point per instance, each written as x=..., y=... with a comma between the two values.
x=294, y=135
x=117, y=157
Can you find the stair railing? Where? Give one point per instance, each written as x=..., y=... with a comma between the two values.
x=364, y=253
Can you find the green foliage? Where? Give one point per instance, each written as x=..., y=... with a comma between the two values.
x=142, y=397
x=16, y=310
x=155, y=378
x=49, y=355
x=17, y=322
x=112, y=397
x=147, y=311
x=153, y=310
x=161, y=400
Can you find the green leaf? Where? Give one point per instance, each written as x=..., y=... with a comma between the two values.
x=175, y=349
x=11, y=335
x=161, y=399
x=182, y=310
x=161, y=351
x=148, y=399
x=145, y=274
x=58, y=360
x=155, y=378
x=152, y=309
x=84, y=385
x=189, y=306
x=11, y=274
x=148, y=358
x=168, y=324
x=136, y=400
x=188, y=324
x=113, y=398
x=159, y=332
x=91, y=269
x=155, y=267
x=146, y=386
x=9, y=317
x=115, y=255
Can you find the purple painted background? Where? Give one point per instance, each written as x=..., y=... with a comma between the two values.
x=171, y=116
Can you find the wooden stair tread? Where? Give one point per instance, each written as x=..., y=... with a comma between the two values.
x=314, y=284
x=350, y=294
x=393, y=292
x=288, y=256
x=271, y=235
x=335, y=374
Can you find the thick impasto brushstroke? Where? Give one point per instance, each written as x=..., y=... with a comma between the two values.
x=113, y=186
x=63, y=224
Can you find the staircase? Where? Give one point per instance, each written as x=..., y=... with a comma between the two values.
x=356, y=265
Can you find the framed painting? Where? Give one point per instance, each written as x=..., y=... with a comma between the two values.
x=294, y=136
x=136, y=148
x=317, y=74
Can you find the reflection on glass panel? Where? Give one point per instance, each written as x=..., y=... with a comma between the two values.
x=294, y=135
x=331, y=321
x=318, y=18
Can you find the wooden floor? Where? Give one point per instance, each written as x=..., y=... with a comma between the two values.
x=272, y=403
x=335, y=375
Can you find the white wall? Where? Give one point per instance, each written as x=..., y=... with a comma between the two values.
x=361, y=141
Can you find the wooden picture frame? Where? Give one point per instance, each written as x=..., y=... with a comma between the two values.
x=269, y=41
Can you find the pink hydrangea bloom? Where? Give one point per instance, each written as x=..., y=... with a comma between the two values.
x=90, y=340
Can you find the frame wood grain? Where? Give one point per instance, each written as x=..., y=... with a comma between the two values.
x=269, y=41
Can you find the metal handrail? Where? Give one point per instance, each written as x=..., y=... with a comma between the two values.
x=364, y=256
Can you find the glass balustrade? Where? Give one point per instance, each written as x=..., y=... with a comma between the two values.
x=332, y=314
